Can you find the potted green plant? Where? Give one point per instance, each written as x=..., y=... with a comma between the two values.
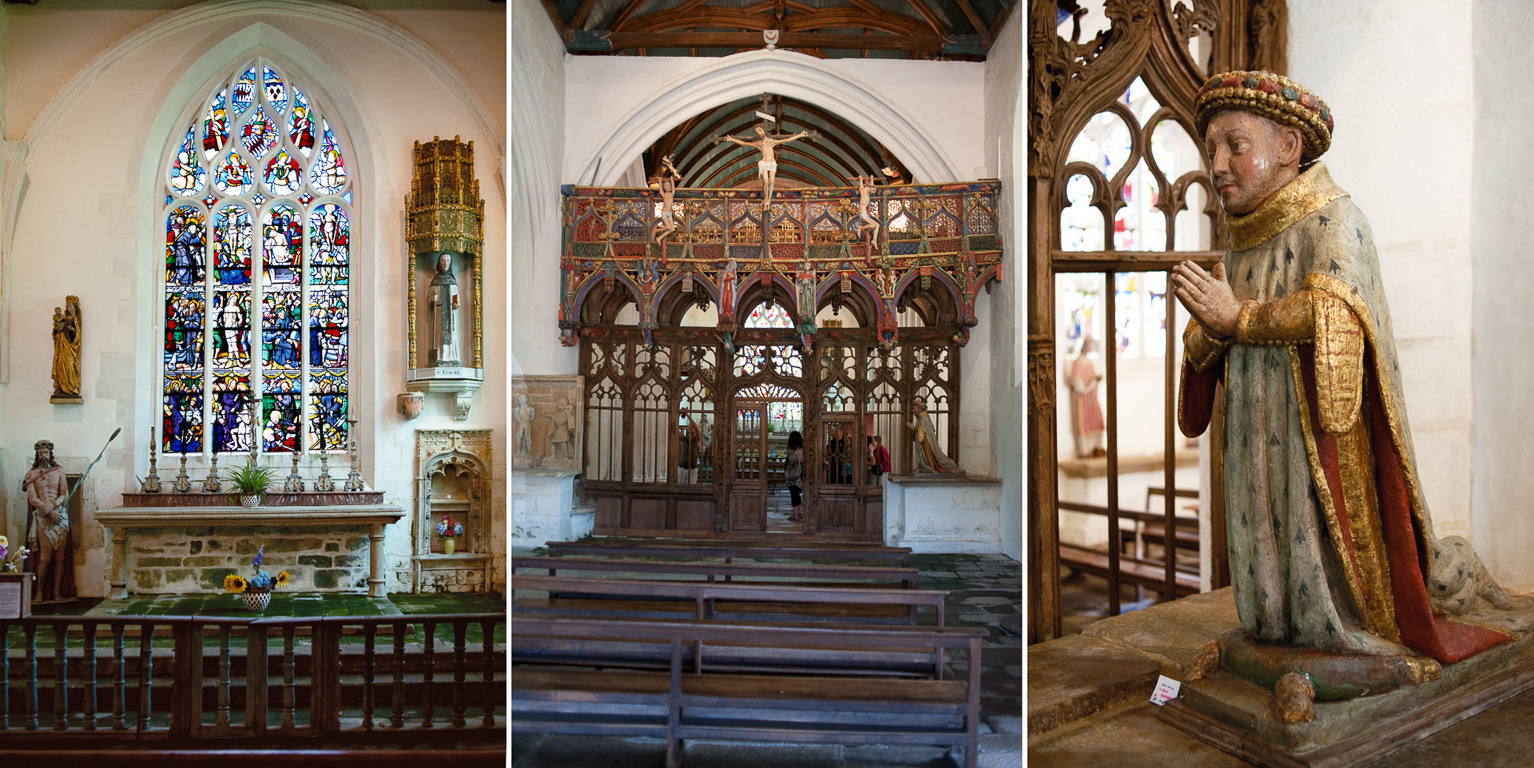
x=251, y=482
x=255, y=592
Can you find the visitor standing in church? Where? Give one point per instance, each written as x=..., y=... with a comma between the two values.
x=793, y=469
x=878, y=459
x=687, y=450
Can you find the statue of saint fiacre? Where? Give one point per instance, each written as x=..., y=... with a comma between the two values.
x=444, y=313
x=1331, y=543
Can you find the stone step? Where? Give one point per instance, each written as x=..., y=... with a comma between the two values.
x=1077, y=676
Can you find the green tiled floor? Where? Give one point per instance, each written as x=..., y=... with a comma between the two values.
x=283, y=605
x=290, y=604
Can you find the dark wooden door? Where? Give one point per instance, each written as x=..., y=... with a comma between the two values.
x=840, y=473
x=750, y=471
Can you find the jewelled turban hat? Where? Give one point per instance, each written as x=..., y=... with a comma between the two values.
x=1272, y=96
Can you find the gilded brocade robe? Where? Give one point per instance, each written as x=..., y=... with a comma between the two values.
x=1328, y=531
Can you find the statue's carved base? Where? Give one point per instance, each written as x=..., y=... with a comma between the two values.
x=1355, y=710
x=462, y=383
x=1334, y=676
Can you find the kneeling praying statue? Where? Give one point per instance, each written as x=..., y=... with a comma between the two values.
x=1331, y=544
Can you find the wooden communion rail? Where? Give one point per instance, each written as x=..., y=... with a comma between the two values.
x=226, y=678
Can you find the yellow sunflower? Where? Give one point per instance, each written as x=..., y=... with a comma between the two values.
x=282, y=579
x=234, y=583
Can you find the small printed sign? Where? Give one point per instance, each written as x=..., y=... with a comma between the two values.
x=1166, y=690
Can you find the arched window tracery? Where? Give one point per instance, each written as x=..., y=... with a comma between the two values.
x=258, y=225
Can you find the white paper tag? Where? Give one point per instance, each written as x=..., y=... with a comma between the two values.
x=1166, y=690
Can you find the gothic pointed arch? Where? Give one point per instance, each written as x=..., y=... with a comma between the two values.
x=257, y=253
x=1129, y=68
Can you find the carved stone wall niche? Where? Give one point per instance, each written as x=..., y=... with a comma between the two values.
x=453, y=479
x=445, y=232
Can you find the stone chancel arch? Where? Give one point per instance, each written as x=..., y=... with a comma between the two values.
x=748, y=75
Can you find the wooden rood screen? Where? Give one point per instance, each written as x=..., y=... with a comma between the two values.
x=702, y=355
x=1119, y=193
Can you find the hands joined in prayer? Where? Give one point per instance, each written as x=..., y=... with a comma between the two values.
x=1208, y=297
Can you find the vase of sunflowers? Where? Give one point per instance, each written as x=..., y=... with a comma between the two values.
x=255, y=592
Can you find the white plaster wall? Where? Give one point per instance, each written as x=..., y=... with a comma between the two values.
x=975, y=453
x=941, y=96
x=1502, y=206
x=1397, y=75
x=97, y=114
x=538, y=62
x=1005, y=130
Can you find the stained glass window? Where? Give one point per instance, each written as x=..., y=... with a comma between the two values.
x=769, y=315
x=257, y=249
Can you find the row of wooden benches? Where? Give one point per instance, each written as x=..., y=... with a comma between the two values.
x=793, y=651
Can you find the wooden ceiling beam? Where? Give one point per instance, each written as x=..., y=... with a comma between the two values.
x=930, y=17
x=974, y=18
x=684, y=17
x=579, y=19
x=847, y=18
x=624, y=14
x=999, y=21
x=932, y=44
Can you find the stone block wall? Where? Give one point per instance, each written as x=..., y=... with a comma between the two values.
x=465, y=576
x=193, y=560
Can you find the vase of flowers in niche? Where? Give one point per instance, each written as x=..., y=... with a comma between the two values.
x=255, y=592
x=15, y=586
x=251, y=482
x=447, y=530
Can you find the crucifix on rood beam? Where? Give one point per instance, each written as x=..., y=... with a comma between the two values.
x=765, y=142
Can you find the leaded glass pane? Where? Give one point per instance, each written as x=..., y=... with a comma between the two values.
x=327, y=412
x=181, y=424
x=231, y=329
x=280, y=413
x=215, y=126
x=280, y=311
x=185, y=246
x=219, y=301
x=232, y=176
x=231, y=246
x=329, y=172
x=283, y=174
x=300, y=126
x=330, y=240
x=328, y=322
x=276, y=92
x=183, y=331
x=186, y=173
x=244, y=91
x=258, y=136
x=231, y=412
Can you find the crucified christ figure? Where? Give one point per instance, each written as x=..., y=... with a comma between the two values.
x=768, y=165
x=866, y=222
x=666, y=224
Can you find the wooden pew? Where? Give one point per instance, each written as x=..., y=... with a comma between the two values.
x=655, y=599
x=797, y=575
x=1141, y=573
x=693, y=699
x=730, y=551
